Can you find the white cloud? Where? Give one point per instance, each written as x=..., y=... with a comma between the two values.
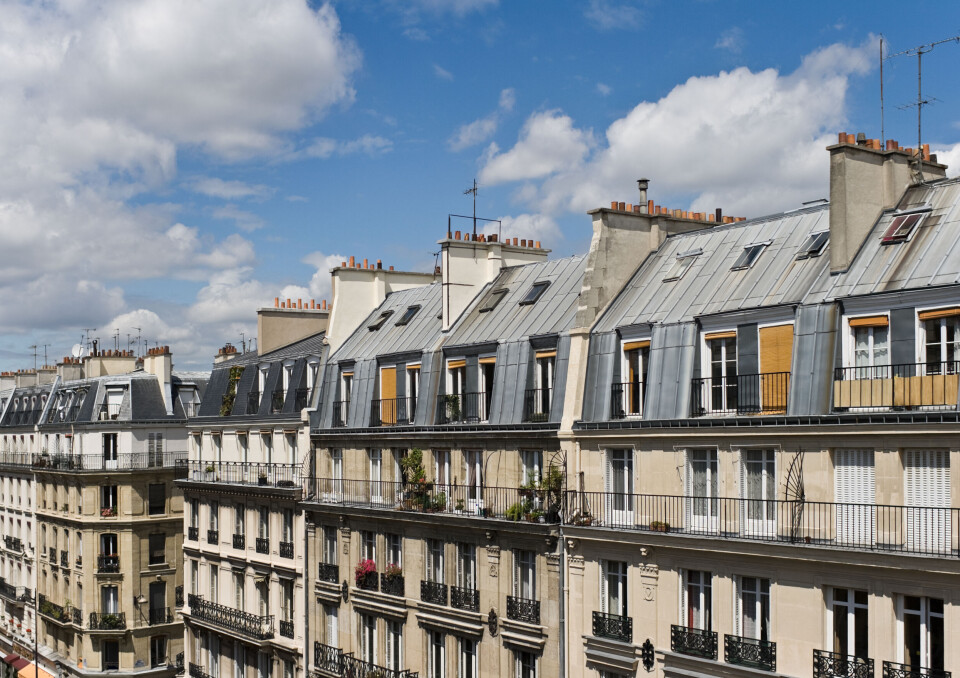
x=323, y=147
x=508, y=99
x=763, y=130
x=244, y=220
x=442, y=73
x=950, y=156
x=228, y=190
x=603, y=89
x=548, y=143
x=731, y=40
x=481, y=129
x=526, y=227
x=606, y=15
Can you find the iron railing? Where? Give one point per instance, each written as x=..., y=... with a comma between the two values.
x=52, y=557
x=179, y=663
x=464, y=598
x=302, y=399
x=906, y=386
x=15, y=594
x=196, y=671
x=433, y=592
x=60, y=613
x=13, y=543
x=231, y=619
x=213, y=536
x=243, y=473
x=328, y=572
x=327, y=658
x=895, y=670
x=536, y=404
x=626, y=399
x=392, y=585
x=16, y=458
x=341, y=413
x=286, y=628
x=694, y=642
x=239, y=541
x=126, y=461
x=64, y=558
x=108, y=412
x=286, y=549
x=502, y=503
x=253, y=403
x=193, y=533
x=757, y=654
x=159, y=615
x=764, y=393
x=871, y=527
x=263, y=545
x=276, y=401
x=76, y=616
x=392, y=411
x=523, y=609
x=367, y=582
x=108, y=564
x=178, y=596
x=108, y=621
x=463, y=407
x=333, y=661
x=613, y=626
x=833, y=665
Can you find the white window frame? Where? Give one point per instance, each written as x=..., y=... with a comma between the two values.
x=922, y=343
x=925, y=614
x=620, y=502
x=851, y=606
x=525, y=574
x=699, y=583
x=368, y=637
x=850, y=346
x=473, y=480
x=703, y=510
x=375, y=462
x=706, y=370
x=758, y=515
x=467, y=651
x=763, y=621
x=614, y=586
x=437, y=657
x=435, y=571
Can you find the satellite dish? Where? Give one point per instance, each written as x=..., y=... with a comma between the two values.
x=76, y=351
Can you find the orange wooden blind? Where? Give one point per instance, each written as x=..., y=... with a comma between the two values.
x=938, y=313
x=547, y=354
x=454, y=364
x=489, y=360
x=731, y=334
x=776, y=348
x=388, y=383
x=634, y=345
x=870, y=321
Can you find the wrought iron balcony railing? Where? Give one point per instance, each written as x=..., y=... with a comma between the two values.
x=392, y=585
x=64, y=558
x=243, y=473
x=160, y=615
x=626, y=399
x=286, y=628
x=76, y=616
x=108, y=564
x=333, y=661
x=833, y=665
x=108, y=621
x=613, y=626
x=60, y=613
x=392, y=412
x=460, y=408
x=193, y=533
x=523, y=609
x=536, y=404
x=253, y=402
x=239, y=541
x=894, y=670
x=328, y=659
x=126, y=461
x=230, y=619
x=694, y=642
x=178, y=596
x=765, y=393
x=276, y=401
x=757, y=654
x=213, y=536
x=263, y=545
x=328, y=572
x=433, y=592
x=196, y=671
x=302, y=396
x=464, y=598
x=13, y=543
x=179, y=663
x=341, y=413
x=286, y=549
x=52, y=557
x=367, y=582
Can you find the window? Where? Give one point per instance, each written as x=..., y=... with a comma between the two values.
x=435, y=561
x=941, y=341
x=214, y=516
x=239, y=520
x=680, y=265
x=214, y=584
x=346, y=386
x=238, y=591
x=927, y=480
x=286, y=599
x=158, y=651
x=467, y=666
x=331, y=627
x=902, y=228
x=492, y=300
x=330, y=545
x=921, y=627
x=375, y=458
x=408, y=315
x=634, y=376
x=870, y=346
x=456, y=377
x=702, y=490
x=855, y=492
x=748, y=256
x=847, y=613
x=531, y=466
x=368, y=638
x=194, y=513
x=525, y=664
x=759, y=486
x=109, y=600
x=395, y=550
x=108, y=500
x=288, y=668
x=814, y=245
x=525, y=574
x=158, y=548
x=287, y=527
x=618, y=483
x=394, y=645
x=194, y=577
x=535, y=292
x=488, y=368
x=473, y=479
x=368, y=545
x=263, y=526
x=466, y=566
x=438, y=654
x=155, y=449
x=441, y=469
x=109, y=655
x=721, y=368
x=754, y=603
x=697, y=606
x=378, y=323
x=613, y=587
x=413, y=388
x=157, y=498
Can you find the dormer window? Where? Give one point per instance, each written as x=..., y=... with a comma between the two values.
x=814, y=246
x=902, y=228
x=683, y=261
x=378, y=323
x=748, y=256
x=493, y=299
x=407, y=315
x=535, y=292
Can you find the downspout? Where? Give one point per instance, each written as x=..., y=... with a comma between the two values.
x=563, y=604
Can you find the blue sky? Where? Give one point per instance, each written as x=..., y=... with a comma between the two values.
x=171, y=164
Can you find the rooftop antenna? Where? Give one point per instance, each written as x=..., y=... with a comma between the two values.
x=87, y=331
x=45, y=347
x=139, y=332
x=243, y=342
x=116, y=338
x=474, y=192
x=34, y=347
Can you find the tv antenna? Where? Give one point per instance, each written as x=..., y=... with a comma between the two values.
x=918, y=52
x=243, y=342
x=473, y=191
x=45, y=347
x=116, y=338
x=87, y=331
x=34, y=347
x=139, y=332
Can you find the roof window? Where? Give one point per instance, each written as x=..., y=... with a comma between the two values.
x=748, y=256
x=378, y=323
x=902, y=228
x=493, y=299
x=681, y=264
x=535, y=292
x=408, y=315
x=814, y=245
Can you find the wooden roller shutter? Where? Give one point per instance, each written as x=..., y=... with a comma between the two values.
x=776, y=354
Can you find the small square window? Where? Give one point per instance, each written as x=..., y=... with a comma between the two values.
x=814, y=245
x=748, y=256
x=535, y=292
x=408, y=315
x=378, y=323
x=680, y=266
x=902, y=228
x=495, y=298
x=158, y=549
x=157, y=499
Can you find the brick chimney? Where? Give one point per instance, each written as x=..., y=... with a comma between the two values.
x=289, y=321
x=159, y=363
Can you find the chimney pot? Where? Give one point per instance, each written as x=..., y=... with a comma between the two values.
x=842, y=138
x=379, y=264
x=613, y=205
x=343, y=264
x=861, y=139
x=352, y=261
x=493, y=237
x=365, y=265
x=391, y=268
x=515, y=240
x=276, y=302
x=891, y=144
x=851, y=139
x=621, y=206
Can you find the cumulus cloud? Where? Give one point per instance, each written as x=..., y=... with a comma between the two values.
x=526, y=226
x=606, y=15
x=950, y=156
x=228, y=190
x=481, y=129
x=764, y=130
x=244, y=220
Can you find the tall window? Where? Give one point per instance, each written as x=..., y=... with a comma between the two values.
x=110, y=655
x=194, y=577
x=394, y=645
x=331, y=626
x=286, y=599
x=488, y=367
x=702, y=489
x=754, y=601
x=618, y=483
x=923, y=633
x=239, y=597
x=194, y=513
x=109, y=600
x=263, y=525
x=467, y=666
x=456, y=377
x=369, y=545
x=634, y=375
x=368, y=638
x=525, y=574
x=239, y=520
x=375, y=456
x=871, y=346
x=531, y=466
x=941, y=344
x=287, y=530
x=435, y=561
x=473, y=479
x=848, y=617
x=395, y=550
x=214, y=584
x=157, y=498
x=697, y=600
x=722, y=351
x=525, y=664
x=543, y=381
x=413, y=388
x=613, y=587
x=759, y=488
x=441, y=469
x=330, y=545
x=214, y=516
x=158, y=651
x=438, y=654
x=466, y=566
x=108, y=500
x=158, y=548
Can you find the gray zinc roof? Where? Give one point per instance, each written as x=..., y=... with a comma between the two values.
x=553, y=312
x=709, y=286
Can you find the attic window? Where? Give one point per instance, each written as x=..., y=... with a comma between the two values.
x=535, y=293
x=495, y=298
x=814, y=245
x=748, y=256
x=379, y=322
x=902, y=228
x=681, y=264
x=408, y=315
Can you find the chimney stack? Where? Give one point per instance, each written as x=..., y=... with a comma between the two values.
x=643, y=184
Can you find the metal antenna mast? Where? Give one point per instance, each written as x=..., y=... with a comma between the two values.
x=34, y=347
x=45, y=347
x=88, y=330
x=474, y=192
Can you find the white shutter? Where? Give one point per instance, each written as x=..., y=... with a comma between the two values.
x=607, y=488
x=927, y=477
x=688, y=492
x=604, y=594
x=683, y=597
x=854, y=483
x=737, y=606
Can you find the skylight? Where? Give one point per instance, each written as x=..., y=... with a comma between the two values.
x=814, y=245
x=680, y=265
x=495, y=298
x=748, y=256
x=408, y=315
x=902, y=228
x=378, y=323
x=535, y=292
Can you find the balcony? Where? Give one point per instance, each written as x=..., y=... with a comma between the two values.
x=328, y=572
x=523, y=609
x=52, y=557
x=286, y=549
x=108, y=621
x=741, y=394
x=178, y=596
x=694, y=642
x=367, y=582
x=196, y=671
x=341, y=413
x=332, y=661
x=894, y=670
x=302, y=400
x=904, y=387
x=13, y=543
x=193, y=533
x=833, y=665
x=468, y=408
x=18, y=595
x=243, y=473
x=626, y=399
x=108, y=412
x=859, y=527
x=613, y=626
x=253, y=403
x=179, y=663
x=159, y=615
x=213, y=536
x=392, y=585
x=392, y=412
x=536, y=404
x=276, y=402
x=433, y=592
x=64, y=559
x=230, y=619
x=286, y=628
x=540, y=505
x=239, y=542
x=109, y=564
x=263, y=545
x=16, y=459
x=465, y=598
x=132, y=461
x=757, y=654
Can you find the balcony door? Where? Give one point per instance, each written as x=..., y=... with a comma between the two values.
x=109, y=600
x=697, y=600
x=753, y=599
x=721, y=388
x=922, y=631
x=619, y=488
x=474, y=480
x=635, y=358
x=927, y=477
x=613, y=587
x=758, y=487
x=702, y=503
x=854, y=490
x=388, y=395
x=110, y=450
x=776, y=355
x=847, y=610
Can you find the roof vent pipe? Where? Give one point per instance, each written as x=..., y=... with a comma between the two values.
x=642, y=184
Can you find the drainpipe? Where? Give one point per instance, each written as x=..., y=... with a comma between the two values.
x=565, y=592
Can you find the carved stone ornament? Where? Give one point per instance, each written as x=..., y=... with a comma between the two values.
x=493, y=623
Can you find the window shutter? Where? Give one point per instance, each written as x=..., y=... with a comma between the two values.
x=460, y=555
x=608, y=488
x=684, y=617
x=737, y=611
x=604, y=594
x=687, y=490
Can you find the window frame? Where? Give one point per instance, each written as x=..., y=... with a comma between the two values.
x=408, y=315
x=380, y=321
x=493, y=300
x=681, y=264
x=535, y=293
x=910, y=220
x=814, y=245
x=748, y=257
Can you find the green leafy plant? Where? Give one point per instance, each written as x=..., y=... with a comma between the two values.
x=393, y=571
x=226, y=405
x=439, y=502
x=452, y=405
x=517, y=511
x=459, y=505
x=660, y=526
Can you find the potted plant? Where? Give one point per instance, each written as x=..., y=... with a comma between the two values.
x=393, y=572
x=262, y=477
x=517, y=511
x=439, y=502
x=365, y=573
x=660, y=526
x=458, y=507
